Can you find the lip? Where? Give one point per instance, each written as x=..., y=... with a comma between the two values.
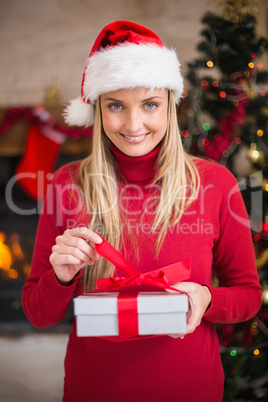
x=134, y=138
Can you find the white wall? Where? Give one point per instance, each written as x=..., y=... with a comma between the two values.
x=42, y=39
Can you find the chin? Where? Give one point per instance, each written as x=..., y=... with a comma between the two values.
x=136, y=152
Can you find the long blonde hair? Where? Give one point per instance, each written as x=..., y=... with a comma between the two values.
x=176, y=173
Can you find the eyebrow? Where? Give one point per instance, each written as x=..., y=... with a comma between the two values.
x=120, y=101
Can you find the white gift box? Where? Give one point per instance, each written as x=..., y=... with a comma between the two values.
x=158, y=313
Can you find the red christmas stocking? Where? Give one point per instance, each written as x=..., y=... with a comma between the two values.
x=35, y=168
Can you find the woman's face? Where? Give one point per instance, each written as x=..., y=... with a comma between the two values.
x=135, y=120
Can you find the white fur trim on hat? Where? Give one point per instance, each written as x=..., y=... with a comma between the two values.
x=79, y=113
x=127, y=65
x=132, y=65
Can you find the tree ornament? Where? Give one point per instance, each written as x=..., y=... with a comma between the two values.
x=256, y=155
x=265, y=185
x=52, y=97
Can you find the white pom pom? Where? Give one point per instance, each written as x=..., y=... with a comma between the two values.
x=79, y=113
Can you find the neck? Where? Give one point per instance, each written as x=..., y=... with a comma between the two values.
x=136, y=168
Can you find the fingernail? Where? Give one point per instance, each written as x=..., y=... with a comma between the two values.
x=99, y=238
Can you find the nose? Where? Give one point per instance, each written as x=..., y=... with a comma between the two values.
x=134, y=121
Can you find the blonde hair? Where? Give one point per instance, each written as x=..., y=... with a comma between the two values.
x=177, y=175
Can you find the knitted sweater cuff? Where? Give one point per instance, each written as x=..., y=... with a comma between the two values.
x=50, y=286
x=216, y=312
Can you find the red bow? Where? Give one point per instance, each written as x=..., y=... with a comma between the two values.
x=127, y=302
x=160, y=278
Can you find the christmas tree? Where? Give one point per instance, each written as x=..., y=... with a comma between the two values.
x=224, y=117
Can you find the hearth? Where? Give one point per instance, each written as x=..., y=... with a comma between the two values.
x=18, y=224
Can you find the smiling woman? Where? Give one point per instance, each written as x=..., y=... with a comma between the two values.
x=158, y=206
x=135, y=120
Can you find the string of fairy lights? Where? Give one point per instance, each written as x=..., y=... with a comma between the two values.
x=225, y=143
x=256, y=350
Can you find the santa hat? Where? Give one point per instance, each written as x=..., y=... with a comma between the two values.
x=124, y=55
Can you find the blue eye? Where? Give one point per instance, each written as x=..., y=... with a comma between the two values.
x=115, y=106
x=150, y=105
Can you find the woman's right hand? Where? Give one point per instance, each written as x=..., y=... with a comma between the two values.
x=72, y=251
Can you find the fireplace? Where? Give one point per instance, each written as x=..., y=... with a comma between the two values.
x=17, y=237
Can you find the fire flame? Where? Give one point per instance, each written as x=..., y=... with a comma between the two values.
x=9, y=254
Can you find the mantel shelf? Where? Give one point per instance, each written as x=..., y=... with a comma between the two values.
x=12, y=142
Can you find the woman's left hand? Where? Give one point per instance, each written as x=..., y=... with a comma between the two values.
x=199, y=300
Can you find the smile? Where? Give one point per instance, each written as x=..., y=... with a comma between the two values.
x=134, y=139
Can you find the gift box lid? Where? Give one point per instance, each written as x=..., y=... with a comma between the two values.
x=148, y=302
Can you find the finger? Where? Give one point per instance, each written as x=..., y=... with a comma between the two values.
x=89, y=236
x=83, y=256
x=194, y=320
x=63, y=244
x=59, y=260
x=176, y=336
x=86, y=234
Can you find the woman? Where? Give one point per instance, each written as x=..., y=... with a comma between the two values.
x=158, y=206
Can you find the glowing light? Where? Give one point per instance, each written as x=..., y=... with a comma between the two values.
x=16, y=248
x=26, y=269
x=205, y=141
x=252, y=55
x=189, y=112
x=260, y=65
x=185, y=133
x=262, y=93
x=256, y=352
x=233, y=353
x=204, y=83
x=265, y=227
x=13, y=274
x=254, y=325
x=222, y=94
x=238, y=140
x=210, y=63
x=255, y=154
x=5, y=254
x=256, y=237
x=215, y=84
x=185, y=94
x=260, y=133
x=246, y=74
x=206, y=126
x=266, y=187
x=251, y=65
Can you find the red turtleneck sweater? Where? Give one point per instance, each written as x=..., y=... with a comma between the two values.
x=214, y=231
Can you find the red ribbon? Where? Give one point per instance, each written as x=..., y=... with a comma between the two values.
x=127, y=302
x=161, y=278
x=127, y=307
